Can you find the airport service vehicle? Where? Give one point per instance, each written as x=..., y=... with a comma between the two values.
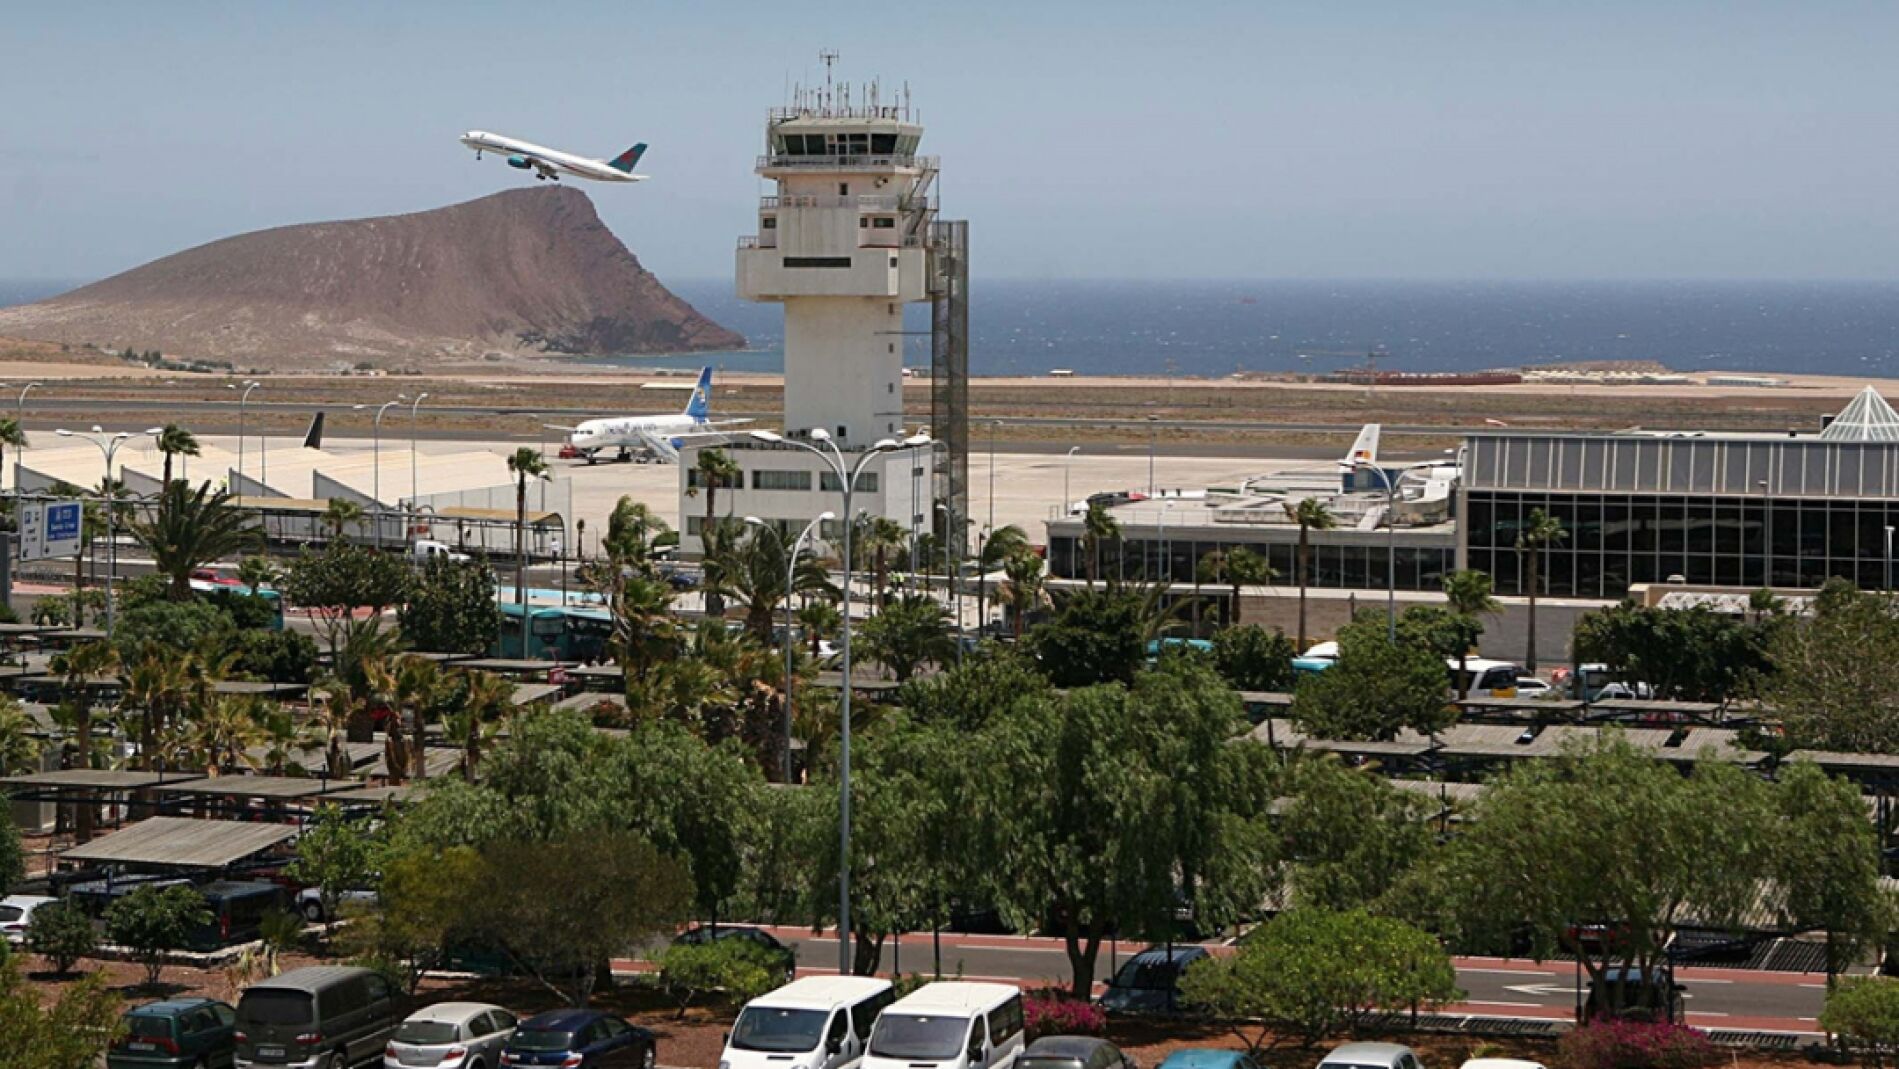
x=426, y=550
x=819, y=1022
x=1149, y=982
x=1371, y=1056
x=16, y=912
x=552, y=163
x=180, y=1033
x=452, y=1035
x=321, y=1017
x=1073, y=1052
x=950, y=1024
x=784, y=956
x=579, y=1039
x=1207, y=1058
x=660, y=435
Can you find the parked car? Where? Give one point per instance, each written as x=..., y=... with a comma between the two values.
x=579, y=1039
x=1500, y=1063
x=310, y=903
x=459, y=1035
x=16, y=911
x=321, y=1017
x=786, y=957
x=818, y=1022
x=1207, y=1058
x=1073, y=1052
x=949, y=1024
x=1532, y=687
x=179, y=1033
x=1631, y=994
x=1371, y=1056
x=426, y=549
x=1149, y=982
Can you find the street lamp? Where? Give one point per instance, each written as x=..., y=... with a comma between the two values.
x=1391, y=535
x=1153, y=438
x=413, y=405
x=109, y=445
x=242, y=399
x=1068, y=503
x=791, y=578
x=847, y=483
x=376, y=478
x=19, y=419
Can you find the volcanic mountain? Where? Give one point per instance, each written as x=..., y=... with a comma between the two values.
x=522, y=272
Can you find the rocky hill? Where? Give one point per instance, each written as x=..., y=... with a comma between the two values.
x=523, y=272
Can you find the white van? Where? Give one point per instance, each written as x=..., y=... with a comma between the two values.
x=1488, y=678
x=426, y=550
x=950, y=1024
x=818, y=1022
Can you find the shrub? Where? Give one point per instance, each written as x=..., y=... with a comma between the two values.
x=1049, y=1015
x=1613, y=1044
x=1864, y=1013
x=736, y=967
x=62, y=934
x=152, y=921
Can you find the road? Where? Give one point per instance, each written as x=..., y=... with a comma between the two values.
x=1725, y=999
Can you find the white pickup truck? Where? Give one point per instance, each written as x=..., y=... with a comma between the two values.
x=426, y=550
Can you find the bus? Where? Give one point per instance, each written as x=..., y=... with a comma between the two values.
x=554, y=633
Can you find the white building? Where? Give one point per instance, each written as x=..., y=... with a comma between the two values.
x=843, y=245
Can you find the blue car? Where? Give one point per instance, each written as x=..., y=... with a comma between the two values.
x=579, y=1039
x=1206, y=1058
x=1149, y=982
x=179, y=1033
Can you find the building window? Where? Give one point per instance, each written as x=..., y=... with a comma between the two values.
x=884, y=222
x=893, y=261
x=843, y=189
x=770, y=222
x=696, y=479
x=781, y=480
x=866, y=482
x=862, y=222
x=821, y=261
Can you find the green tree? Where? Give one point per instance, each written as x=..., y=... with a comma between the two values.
x=1827, y=864
x=1540, y=531
x=1237, y=567
x=996, y=550
x=193, y=528
x=1311, y=515
x=1098, y=528
x=631, y=529
x=908, y=633
x=881, y=539
x=153, y=921
x=1350, y=835
x=1316, y=972
x=523, y=464
x=20, y=746
x=737, y=968
x=175, y=441
x=689, y=799
x=423, y=903
x=989, y=682
x=1376, y=688
x=77, y=668
x=1095, y=637
x=12, y=855
x=1693, y=654
x=73, y=1032
x=1863, y=1013
x=1468, y=596
x=12, y=436
x=1023, y=587
x=336, y=854
x=1250, y=657
x=257, y=572
x=62, y=933
x=340, y=514
x=1835, y=676
x=335, y=582
x=451, y=608
x=714, y=469
x=1607, y=835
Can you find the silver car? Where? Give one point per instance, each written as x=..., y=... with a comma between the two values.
x=451, y=1035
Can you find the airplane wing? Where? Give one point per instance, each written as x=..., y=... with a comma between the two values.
x=725, y=422
x=546, y=170
x=560, y=427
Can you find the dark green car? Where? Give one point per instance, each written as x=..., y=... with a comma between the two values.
x=180, y=1033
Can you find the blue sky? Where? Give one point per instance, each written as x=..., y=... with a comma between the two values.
x=1170, y=140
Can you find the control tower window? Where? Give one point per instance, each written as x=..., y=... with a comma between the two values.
x=883, y=144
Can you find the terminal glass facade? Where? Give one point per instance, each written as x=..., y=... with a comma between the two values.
x=1617, y=539
x=1354, y=567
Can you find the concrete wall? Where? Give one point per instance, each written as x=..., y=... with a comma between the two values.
x=1505, y=634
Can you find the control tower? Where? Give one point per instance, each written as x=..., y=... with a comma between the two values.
x=847, y=236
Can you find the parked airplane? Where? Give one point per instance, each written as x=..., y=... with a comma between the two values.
x=660, y=435
x=549, y=163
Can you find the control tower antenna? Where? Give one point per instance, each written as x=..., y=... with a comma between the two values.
x=827, y=56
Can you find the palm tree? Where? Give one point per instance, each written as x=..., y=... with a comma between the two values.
x=1023, y=589
x=631, y=530
x=820, y=619
x=1097, y=528
x=526, y=464
x=173, y=441
x=419, y=688
x=1311, y=515
x=192, y=528
x=1539, y=531
x=1237, y=567
x=1002, y=544
x=11, y=434
x=910, y=632
x=227, y=730
x=341, y=513
x=753, y=571
x=157, y=687
x=256, y=572
x=485, y=699
x=77, y=667
x=1468, y=595
x=880, y=540
x=19, y=742
x=332, y=707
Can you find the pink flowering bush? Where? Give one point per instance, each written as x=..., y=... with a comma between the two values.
x=1052, y=1015
x=1613, y=1044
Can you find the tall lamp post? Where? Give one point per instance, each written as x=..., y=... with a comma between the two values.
x=19, y=419
x=243, y=399
x=413, y=405
x=1068, y=503
x=953, y=564
x=847, y=483
x=1391, y=535
x=376, y=464
x=791, y=578
x=109, y=445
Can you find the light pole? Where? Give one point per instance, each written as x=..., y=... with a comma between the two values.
x=993, y=424
x=1153, y=438
x=1391, y=543
x=376, y=464
x=243, y=399
x=109, y=446
x=1889, y=558
x=847, y=483
x=791, y=578
x=413, y=405
x=1068, y=503
x=19, y=420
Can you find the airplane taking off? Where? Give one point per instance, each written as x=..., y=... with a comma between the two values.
x=549, y=163
x=660, y=435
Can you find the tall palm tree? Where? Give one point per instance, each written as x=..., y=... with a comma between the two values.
x=1098, y=528
x=192, y=528
x=485, y=699
x=420, y=689
x=1023, y=588
x=12, y=435
x=630, y=532
x=256, y=572
x=1003, y=543
x=820, y=619
x=20, y=746
x=77, y=667
x=753, y=570
x=1311, y=515
x=910, y=632
x=1539, y=531
x=525, y=464
x=173, y=441
x=1467, y=595
x=156, y=687
x=332, y=708
x=1237, y=567
x=339, y=514
x=882, y=540
x=226, y=731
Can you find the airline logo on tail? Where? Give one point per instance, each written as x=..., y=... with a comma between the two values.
x=700, y=405
x=626, y=161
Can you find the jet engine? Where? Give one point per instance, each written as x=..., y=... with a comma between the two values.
x=520, y=162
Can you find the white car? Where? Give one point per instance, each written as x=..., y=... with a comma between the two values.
x=1500, y=1063
x=453, y=1035
x=310, y=903
x=1532, y=687
x=15, y=913
x=1371, y=1056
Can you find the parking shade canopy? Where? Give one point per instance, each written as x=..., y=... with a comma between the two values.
x=182, y=842
x=280, y=787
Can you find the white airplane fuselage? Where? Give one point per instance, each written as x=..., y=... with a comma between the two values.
x=545, y=161
x=630, y=432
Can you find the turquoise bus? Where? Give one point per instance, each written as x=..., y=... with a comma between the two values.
x=554, y=633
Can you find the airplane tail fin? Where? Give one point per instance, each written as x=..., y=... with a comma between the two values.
x=1365, y=447
x=626, y=161
x=313, y=438
x=700, y=406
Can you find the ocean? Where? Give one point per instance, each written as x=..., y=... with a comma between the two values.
x=1214, y=328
